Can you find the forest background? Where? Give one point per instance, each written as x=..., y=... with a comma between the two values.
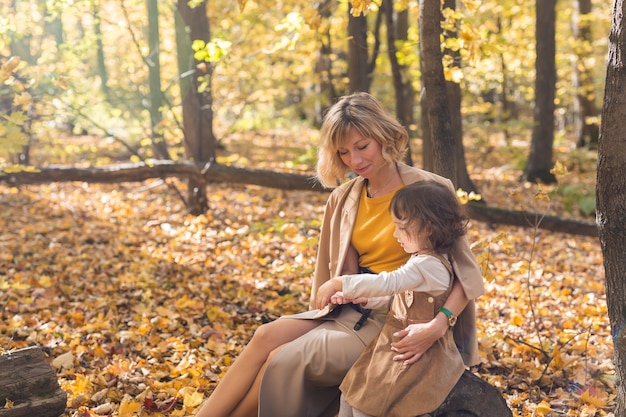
x=141, y=306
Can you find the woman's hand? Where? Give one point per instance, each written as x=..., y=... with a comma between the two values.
x=326, y=291
x=415, y=339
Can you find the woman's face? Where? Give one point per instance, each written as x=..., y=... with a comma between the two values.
x=362, y=155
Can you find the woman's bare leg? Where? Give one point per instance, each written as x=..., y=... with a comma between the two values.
x=238, y=383
x=249, y=405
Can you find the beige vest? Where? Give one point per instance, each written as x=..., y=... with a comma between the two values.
x=379, y=386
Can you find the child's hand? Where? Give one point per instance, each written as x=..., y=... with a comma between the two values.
x=338, y=298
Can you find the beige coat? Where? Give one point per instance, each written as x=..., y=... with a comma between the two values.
x=302, y=379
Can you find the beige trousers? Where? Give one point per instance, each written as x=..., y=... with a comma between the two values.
x=303, y=378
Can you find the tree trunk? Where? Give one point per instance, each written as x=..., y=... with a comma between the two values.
x=507, y=109
x=611, y=195
x=19, y=45
x=154, y=78
x=462, y=179
x=434, y=90
x=29, y=385
x=427, y=140
x=540, y=158
x=473, y=397
x=324, y=87
x=54, y=23
x=397, y=30
x=200, y=143
x=586, y=128
x=102, y=69
x=358, y=54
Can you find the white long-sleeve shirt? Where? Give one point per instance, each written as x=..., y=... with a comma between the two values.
x=424, y=273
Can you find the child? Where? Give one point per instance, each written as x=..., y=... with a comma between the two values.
x=428, y=219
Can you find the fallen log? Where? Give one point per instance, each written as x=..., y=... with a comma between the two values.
x=29, y=385
x=529, y=219
x=141, y=171
x=214, y=172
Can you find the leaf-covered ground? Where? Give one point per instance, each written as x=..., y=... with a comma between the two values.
x=140, y=307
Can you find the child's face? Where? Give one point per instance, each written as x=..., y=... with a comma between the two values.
x=411, y=240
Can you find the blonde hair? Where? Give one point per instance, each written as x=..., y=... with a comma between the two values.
x=360, y=111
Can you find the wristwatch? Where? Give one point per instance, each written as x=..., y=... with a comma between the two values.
x=451, y=317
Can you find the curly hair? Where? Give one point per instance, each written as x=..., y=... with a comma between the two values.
x=360, y=111
x=431, y=204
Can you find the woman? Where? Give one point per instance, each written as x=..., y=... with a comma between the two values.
x=312, y=352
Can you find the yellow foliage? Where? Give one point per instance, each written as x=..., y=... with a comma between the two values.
x=312, y=18
x=557, y=360
x=191, y=397
x=8, y=404
x=45, y=281
x=22, y=100
x=543, y=408
x=129, y=407
x=150, y=299
x=464, y=197
x=594, y=397
x=7, y=69
x=517, y=320
x=559, y=169
x=472, y=5
x=362, y=7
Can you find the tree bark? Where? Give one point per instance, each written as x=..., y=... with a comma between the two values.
x=508, y=109
x=133, y=172
x=586, y=129
x=213, y=172
x=497, y=216
x=453, y=88
x=540, y=158
x=102, y=68
x=611, y=195
x=473, y=397
x=154, y=77
x=30, y=384
x=397, y=30
x=324, y=86
x=434, y=90
x=358, y=54
x=200, y=142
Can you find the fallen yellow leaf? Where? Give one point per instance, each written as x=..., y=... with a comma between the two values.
x=594, y=397
x=129, y=407
x=543, y=408
x=191, y=397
